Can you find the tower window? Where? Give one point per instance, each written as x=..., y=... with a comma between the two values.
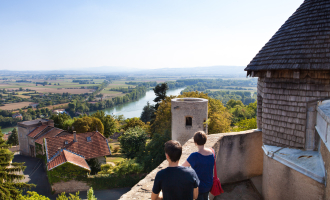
x=188, y=121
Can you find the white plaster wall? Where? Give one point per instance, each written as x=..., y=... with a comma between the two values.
x=188, y=107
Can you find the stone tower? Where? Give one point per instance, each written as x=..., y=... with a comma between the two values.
x=294, y=73
x=188, y=117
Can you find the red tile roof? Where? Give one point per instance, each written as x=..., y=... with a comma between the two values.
x=37, y=130
x=98, y=146
x=67, y=156
x=52, y=133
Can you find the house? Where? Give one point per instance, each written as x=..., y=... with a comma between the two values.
x=32, y=132
x=74, y=147
x=17, y=115
x=57, y=111
x=6, y=136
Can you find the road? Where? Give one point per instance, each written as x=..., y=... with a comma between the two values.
x=36, y=174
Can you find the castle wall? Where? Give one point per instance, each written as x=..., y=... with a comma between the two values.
x=196, y=108
x=326, y=160
x=280, y=182
x=288, y=112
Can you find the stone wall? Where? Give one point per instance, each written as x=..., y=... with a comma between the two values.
x=69, y=186
x=281, y=182
x=196, y=108
x=288, y=106
x=23, y=139
x=326, y=159
x=239, y=157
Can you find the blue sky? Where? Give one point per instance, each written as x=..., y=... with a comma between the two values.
x=77, y=34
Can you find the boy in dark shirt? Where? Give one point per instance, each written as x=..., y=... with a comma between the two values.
x=176, y=182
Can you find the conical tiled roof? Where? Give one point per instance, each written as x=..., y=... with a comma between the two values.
x=302, y=43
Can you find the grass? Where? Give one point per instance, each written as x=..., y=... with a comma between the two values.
x=115, y=157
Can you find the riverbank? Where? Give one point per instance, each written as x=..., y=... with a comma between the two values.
x=134, y=109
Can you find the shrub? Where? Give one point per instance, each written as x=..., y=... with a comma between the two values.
x=132, y=141
x=125, y=167
x=153, y=154
x=116, y=149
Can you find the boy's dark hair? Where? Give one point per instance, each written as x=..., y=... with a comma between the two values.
x=200, y=138
x=173, y=149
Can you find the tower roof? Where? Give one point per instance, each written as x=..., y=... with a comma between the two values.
x=302, y=43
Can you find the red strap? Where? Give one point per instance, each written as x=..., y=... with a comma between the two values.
x=215, y=166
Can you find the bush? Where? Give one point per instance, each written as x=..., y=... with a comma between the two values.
x=116, y=149
x=153, y=154
x=132, y=141
x=125, y=167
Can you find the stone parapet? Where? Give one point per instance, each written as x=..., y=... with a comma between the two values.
x=239, y=157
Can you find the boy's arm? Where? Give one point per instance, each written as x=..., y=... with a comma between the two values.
x=186, y=164
x=195, y=193
x=158, y=196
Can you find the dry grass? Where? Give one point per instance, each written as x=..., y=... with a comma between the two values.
x=15, y=106
x=61, y=91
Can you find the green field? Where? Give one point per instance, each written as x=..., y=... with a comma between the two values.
x=249, y=89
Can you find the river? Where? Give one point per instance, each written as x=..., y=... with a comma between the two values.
x=130, y=109
x=134, y=109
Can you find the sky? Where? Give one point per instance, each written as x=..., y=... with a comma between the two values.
x=148, y=34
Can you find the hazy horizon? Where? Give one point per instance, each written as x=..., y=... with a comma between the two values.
x=75, y=35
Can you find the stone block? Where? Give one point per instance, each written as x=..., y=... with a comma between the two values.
x=291, y=143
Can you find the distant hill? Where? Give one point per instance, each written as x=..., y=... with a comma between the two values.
x=196, y=71
x=213, y=70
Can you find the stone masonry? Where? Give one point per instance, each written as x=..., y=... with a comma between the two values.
x=183, y=108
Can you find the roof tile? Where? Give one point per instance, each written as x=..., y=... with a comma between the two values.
x=97, y=147
x=37, y=130
x=67, y=156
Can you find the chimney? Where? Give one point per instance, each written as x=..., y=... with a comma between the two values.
x=74, y=136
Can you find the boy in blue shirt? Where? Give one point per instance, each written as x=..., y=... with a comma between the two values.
x=176, y=182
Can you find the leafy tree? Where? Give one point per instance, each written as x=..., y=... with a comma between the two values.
x=148, y=113
x=246, y=124
x=13, y=138
x=9, y=176
x=132, y=140
x=32, y=195
x=67, y=124
x=109, y=123
x=133, y=122
x=60, y=119
x=160, y=92
x=151, y=155
x=62, y=196
x=90, y=194
x=87, y=124
x=232, y=103
x=240, y=111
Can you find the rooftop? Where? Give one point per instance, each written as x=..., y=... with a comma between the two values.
x=51, y=133
x=98, y=146
x=302, y=43
x=33, y=122
x=37, y=130
x=67, y=156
